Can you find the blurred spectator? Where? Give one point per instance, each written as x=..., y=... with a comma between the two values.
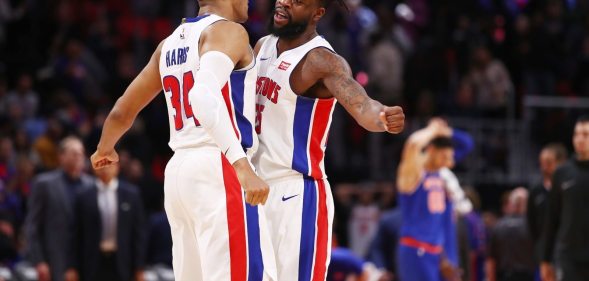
x=363, y=222
x=343, y=201
x=551, y=156
x=511, y=248
x=491, y=82
x=24, y=97
x=20, y=187
x=46, y=145
x=382, y=252
x=159, y=242
x=23, y=147
x=548, y=39
x=465, y=100
x=385, y=69
x=11, y=205
x=258, y=19
x=151, y=192
x=10, y=209
x=7, y=159
x=474, y=262
x=8, y=248
x=346, y=266
x=347, y=31
x=50, y=211
x=109, y=238
x=82, y=74
x=567, y=224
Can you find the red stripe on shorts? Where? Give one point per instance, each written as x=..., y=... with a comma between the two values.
x=235, y=222
x=321, y=241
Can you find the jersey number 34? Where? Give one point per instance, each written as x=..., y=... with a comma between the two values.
x=180, y=99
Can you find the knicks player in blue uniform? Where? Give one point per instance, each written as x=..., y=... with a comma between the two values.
x=425, y=207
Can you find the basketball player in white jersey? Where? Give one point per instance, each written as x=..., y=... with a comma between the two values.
x=299, y=80
x=206, y=70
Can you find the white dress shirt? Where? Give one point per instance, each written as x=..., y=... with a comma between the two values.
x=107, y=205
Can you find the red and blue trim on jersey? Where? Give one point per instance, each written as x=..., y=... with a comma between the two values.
x=233, y=95
x=309, y=129
x=314, y=232
x=245, y=252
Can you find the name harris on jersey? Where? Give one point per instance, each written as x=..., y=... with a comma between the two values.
x=176, y=56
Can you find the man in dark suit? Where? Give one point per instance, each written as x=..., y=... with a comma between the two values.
x=109, y=238
x=50, y=214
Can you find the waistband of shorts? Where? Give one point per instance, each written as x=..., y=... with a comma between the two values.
x=425, y=246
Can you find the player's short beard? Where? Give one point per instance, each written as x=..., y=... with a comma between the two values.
x=289, y=31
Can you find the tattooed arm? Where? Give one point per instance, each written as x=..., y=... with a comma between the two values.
x=335, y=74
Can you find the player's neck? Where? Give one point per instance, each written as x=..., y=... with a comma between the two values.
x=217, y=10
x=285, y=44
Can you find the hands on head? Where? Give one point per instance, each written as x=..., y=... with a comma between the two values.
x=440, y=127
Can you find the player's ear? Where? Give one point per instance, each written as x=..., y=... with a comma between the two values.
x=319, y=13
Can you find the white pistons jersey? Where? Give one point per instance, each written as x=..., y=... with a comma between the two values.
x=179, y=62
x=292, y=129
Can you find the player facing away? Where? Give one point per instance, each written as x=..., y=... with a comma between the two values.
x=206, y=70
x=300, y=78
x=425, y=207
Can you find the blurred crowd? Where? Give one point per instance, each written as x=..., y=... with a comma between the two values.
x=63, y=63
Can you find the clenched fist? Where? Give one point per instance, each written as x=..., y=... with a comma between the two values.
x=256, y=190
x=393, y=119
x=101, y=159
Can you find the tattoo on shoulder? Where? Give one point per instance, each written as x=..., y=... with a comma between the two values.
x=338, y=79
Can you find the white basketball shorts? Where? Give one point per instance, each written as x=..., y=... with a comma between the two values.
x=215, y=234
x=299, y=214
